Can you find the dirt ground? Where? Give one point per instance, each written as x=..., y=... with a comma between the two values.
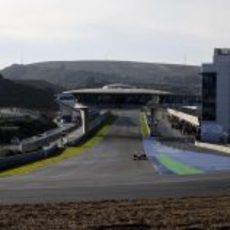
x=184, y=213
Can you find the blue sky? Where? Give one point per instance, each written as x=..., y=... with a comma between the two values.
x=168, y=31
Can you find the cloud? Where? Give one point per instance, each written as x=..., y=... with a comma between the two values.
x=133, y=29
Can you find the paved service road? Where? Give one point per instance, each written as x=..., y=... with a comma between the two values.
x=108, y=172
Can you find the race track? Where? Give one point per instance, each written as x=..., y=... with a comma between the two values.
x=109, y=172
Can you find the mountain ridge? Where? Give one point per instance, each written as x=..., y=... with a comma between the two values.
x=79, y=74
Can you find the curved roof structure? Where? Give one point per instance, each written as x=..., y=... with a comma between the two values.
x=118, y=86
x=126, y=95
x=118, y=90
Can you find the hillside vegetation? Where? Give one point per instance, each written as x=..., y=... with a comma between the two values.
x=78, y=74
x=14, y=94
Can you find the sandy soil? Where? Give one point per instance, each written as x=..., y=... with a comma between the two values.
x=183, y=213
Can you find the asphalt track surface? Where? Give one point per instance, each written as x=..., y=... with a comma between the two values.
x=108, y=172
x=198, y=161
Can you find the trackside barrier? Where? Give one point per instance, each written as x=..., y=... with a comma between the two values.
x=26, y=158
x=93, y=127
x=215, y=147
x=30, y=145
x=184, y=116
x=22, y=159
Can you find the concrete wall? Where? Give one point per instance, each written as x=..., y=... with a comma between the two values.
x=30, y=144
x=22, y=159
x=92, y=127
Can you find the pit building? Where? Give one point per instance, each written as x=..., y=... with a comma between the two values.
x=215, y=120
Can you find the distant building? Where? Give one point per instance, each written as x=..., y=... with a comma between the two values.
x=67, y=103
x=215, y=120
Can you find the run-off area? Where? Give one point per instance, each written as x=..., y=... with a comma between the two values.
x=169, y=160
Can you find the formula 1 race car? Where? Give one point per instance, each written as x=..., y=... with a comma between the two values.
x=139, y=156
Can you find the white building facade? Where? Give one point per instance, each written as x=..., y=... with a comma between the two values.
x=215, y=120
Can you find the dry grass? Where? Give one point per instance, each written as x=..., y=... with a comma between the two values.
x=185, y=213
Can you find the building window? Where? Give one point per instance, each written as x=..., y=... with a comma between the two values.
x=209, y=96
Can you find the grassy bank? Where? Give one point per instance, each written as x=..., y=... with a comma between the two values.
x=144, y=125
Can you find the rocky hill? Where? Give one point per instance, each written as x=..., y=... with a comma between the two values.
x=78, y=74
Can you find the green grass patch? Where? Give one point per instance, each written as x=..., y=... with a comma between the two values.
x=177, y=167
x=66, y=154
x=144, y=126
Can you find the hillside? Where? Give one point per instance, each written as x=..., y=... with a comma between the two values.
x=40, y=84
x=78, y=74
x=14, y=94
